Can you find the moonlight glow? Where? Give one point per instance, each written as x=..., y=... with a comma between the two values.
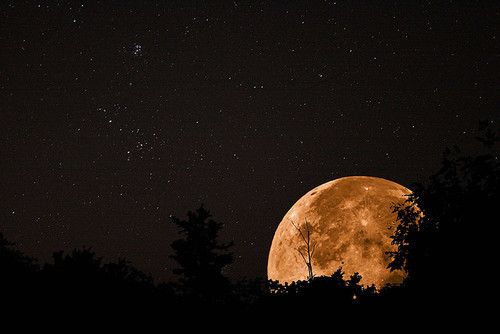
x=351, y=223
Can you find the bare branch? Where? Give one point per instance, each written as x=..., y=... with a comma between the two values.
x=302, y=255
x=298, y=229
x=305, y=234
x=313, y=248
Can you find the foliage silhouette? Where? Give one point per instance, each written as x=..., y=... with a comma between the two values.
x=201, y=257
x=12, y=260
x=459, y=204
x=435, y=249
x=17, y=271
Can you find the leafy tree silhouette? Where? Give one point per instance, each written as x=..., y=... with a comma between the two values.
x=17, y=271
x=436, y=250
x=77, y=276
x=310, y=296
x=14, y=261
x=459, y=202
x=81, y=277
x=123, y=271
x=201, y=257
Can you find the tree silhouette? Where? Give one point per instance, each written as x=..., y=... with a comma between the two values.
x=17, y=271
x=201, y=257
x=81, y=276
x=409, y=219
x=306, y=250
x=444, y=229
x=334, y=291
x=459, y=203
x=12, y=260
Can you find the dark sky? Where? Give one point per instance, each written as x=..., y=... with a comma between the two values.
x=116, y=114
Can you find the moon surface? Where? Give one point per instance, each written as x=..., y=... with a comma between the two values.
x=351, y=221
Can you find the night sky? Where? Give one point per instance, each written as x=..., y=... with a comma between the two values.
x=117, y=114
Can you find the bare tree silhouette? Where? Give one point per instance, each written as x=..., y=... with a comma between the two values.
x=306, y=251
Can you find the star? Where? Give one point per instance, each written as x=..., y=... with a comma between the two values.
x=137, y=50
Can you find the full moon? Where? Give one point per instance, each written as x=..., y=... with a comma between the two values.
x=350, y=222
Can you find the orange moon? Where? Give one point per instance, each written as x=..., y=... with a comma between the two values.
x=350, y=223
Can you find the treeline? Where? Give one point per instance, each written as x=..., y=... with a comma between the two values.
x=442, y=252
